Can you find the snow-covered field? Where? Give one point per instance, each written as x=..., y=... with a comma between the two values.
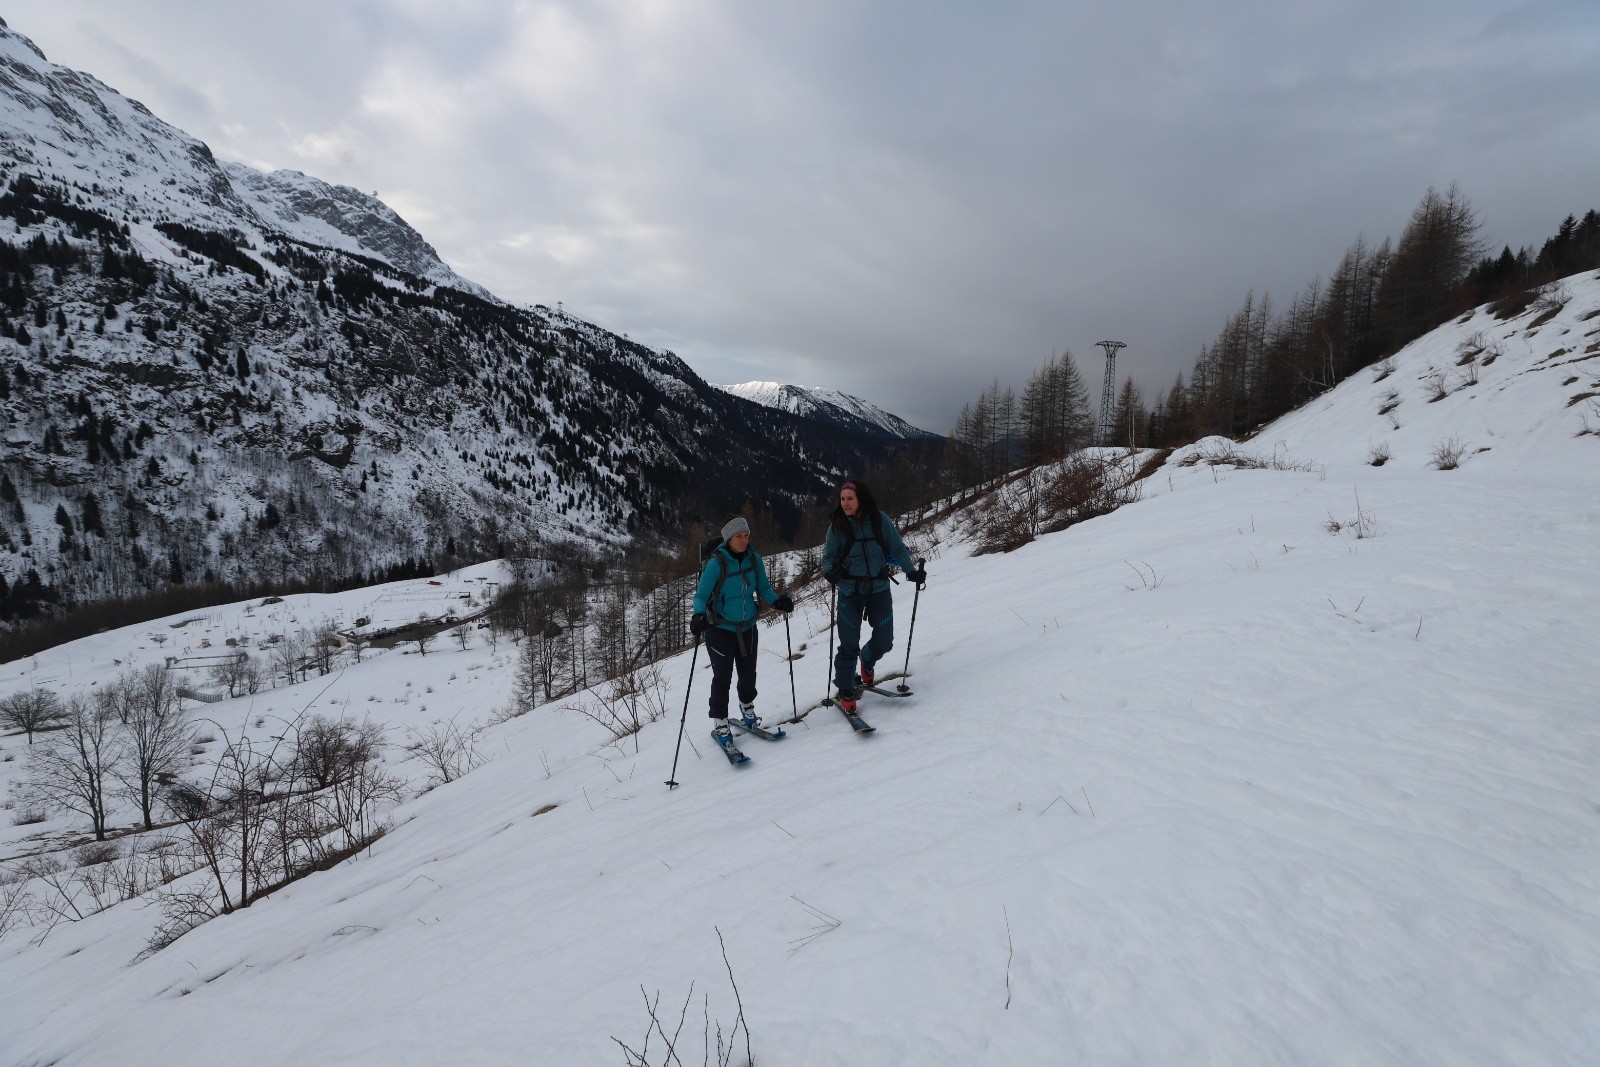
x=1289, y=765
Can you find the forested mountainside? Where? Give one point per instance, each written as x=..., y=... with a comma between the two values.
x=213, y=374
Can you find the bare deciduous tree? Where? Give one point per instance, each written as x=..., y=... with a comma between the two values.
x=75, y=769
x=327, y=750
x=238, y=675
x=31, y=710
x=157, y=736
x=326, y=641
x=289, y=655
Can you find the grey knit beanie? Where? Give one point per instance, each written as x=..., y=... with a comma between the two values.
x=736, y=525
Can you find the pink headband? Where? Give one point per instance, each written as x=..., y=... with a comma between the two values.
x=848, y=485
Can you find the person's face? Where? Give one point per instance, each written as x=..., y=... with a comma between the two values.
x=848, y=503
x=739, y=542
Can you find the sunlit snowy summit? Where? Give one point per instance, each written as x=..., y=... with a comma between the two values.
x=829, y=406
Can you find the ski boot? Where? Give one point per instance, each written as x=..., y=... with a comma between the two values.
x=748, y=717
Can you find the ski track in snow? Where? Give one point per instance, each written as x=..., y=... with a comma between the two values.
x=1197, y=782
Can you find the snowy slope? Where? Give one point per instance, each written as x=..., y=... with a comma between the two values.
x=1284, y=764
x=828, y=405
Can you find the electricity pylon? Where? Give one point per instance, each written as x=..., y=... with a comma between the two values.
x=1108, y=395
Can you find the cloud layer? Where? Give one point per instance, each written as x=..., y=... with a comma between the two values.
x=900, y=201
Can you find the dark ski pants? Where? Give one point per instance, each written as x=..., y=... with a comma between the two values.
x=877, y=609
x=728, y=650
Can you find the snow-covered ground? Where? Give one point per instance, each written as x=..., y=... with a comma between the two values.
x=1288, y=765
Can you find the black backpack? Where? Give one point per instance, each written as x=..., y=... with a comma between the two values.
x=708, y=552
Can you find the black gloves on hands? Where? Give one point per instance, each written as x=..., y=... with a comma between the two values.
x=917, y=576
x=784, y=603
x=836, y=575
x=698, y=624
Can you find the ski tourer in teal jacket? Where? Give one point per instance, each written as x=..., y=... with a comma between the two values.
x=860, y=564
x=729, y=586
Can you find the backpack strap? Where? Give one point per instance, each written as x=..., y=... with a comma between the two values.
x=874, y=522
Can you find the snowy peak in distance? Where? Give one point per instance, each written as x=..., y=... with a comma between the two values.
x=829, y=405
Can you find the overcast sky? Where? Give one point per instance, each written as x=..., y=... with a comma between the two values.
x=900, y=200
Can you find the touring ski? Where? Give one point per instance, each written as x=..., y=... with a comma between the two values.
x=761, y=731
x=857, y=723
x=730, y=749
x=885, y=692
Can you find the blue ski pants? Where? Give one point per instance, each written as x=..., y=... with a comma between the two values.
x=878, y=610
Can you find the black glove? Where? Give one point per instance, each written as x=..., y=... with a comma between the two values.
x=835, y=575
x=917, y=575
x=784, y=603
x=698, y=624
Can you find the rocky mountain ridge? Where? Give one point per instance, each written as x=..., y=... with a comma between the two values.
x=210, y=373
x=831, y=406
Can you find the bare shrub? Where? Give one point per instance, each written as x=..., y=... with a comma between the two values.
x=1552, y=297
x=16, y=901
x=96, y=852
x=1391, y=400
x=1378, y=454
x=1049, y=498
x=448, y=750
x=671, y=1052
x=626, y=703
x=1383, y=368
x=1447, y=453
x=262, y=822
x=1434, y=382
x=46, y=890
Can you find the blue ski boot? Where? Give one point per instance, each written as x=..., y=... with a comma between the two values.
x=748, y=717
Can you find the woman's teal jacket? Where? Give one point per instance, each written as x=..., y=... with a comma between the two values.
x=743, y=578
x=864, y=559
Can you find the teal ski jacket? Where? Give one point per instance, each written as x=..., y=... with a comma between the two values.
x=864, y=560
x=733, y=606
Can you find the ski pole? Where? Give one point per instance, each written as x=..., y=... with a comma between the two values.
x=833, y=615
x=794, y=701
x=911, y=632
x=687, y=689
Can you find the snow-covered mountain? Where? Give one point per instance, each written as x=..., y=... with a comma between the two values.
x=1289, y=762
x=214, y=373
x=829, y=406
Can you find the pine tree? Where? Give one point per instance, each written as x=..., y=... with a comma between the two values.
x=1421, y=287
x=91, y=516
